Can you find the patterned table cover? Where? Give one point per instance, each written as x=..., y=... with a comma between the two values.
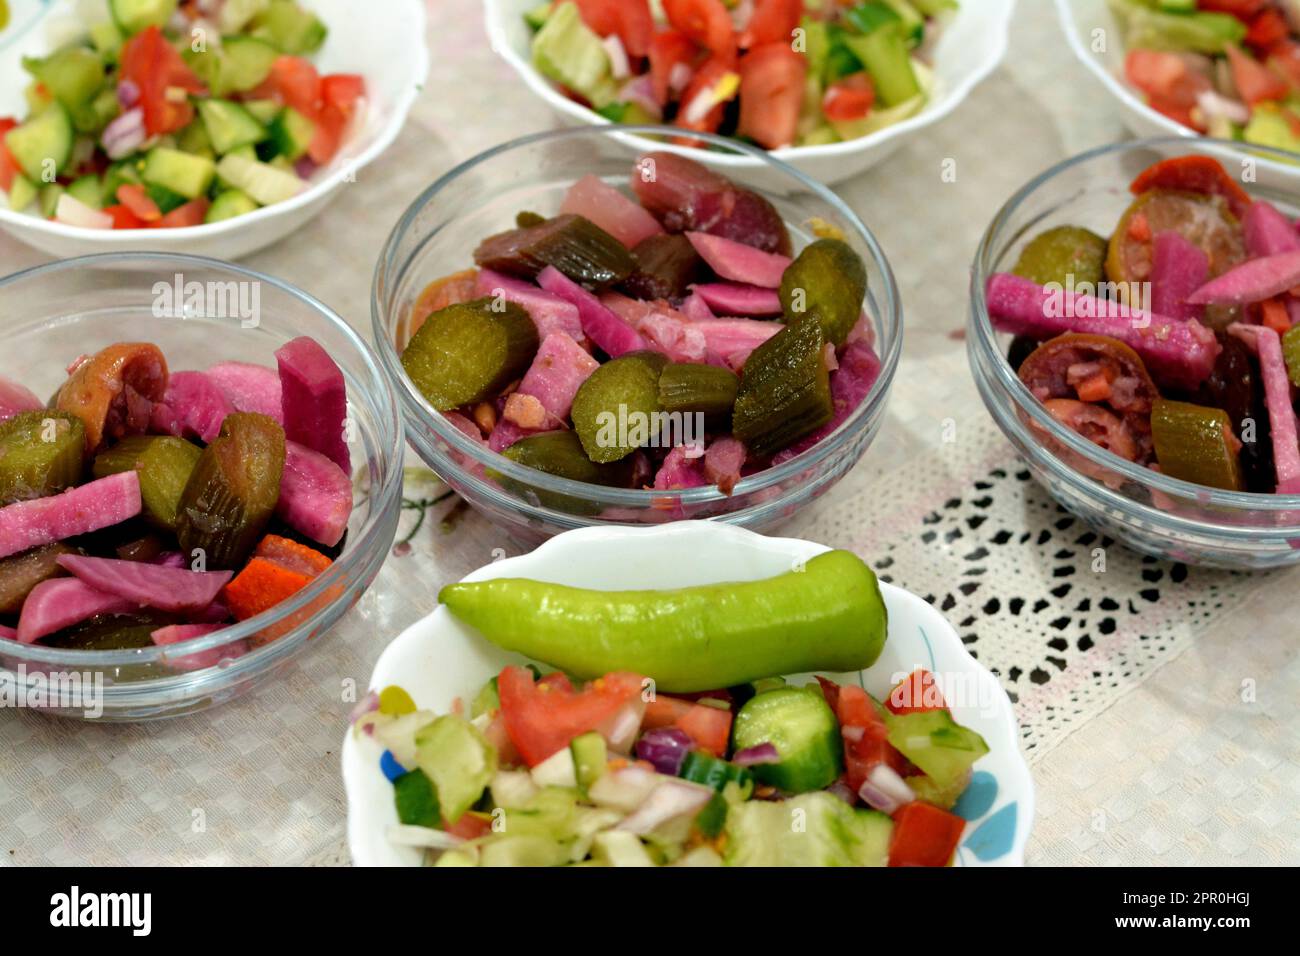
x=1156, y=701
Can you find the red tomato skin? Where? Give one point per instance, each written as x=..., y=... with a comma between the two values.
x=1241, y=9
x=1196, y=174
x=124, y=218
x=1254, y=81
x=707, y=22
x=134, y=198
x=636, y=26
x=709, y=727
x=1164, y=76
x=470, y=826
x=149, y=61
x=916, y=694
x=773, y=21
x=771, y=94
x=191, y=213
x=342, y=90
x=600, y=15
x=8, y=165
x=924, y=835
x=542, y=717
x=849, y=99
x=297, y=84
x=705, y=78
x=668, y=49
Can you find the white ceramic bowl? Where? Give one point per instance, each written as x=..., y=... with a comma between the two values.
x=439, y=658
x=383, y=40
x=971, y=46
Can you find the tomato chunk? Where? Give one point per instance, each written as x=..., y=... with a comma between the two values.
x=916, y=693
x=773, y=21
x=866, y=738
x=669, y=50
x=191, y=213
x=154, y=66
x=134, y=198
x=707, y=22
x=924, y=835
x=849, y=99
x=1165, y=77
x=771, y=94
x=707, y=82
x=541, y=717
x=709, y=727
x=124, y=218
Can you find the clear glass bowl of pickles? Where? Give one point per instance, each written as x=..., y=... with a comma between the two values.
x=1131, y=332
x=582, y=331
x=136, y=490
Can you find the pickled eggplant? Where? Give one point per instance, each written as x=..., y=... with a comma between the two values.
x=20, y=573
x=560, y=453
x=470, y=351
x=573, y=244
x=1196, y=444
x=232, y=493
x=1068, y=256
x=616, y=410
x=784, y=389
x=708, y=390
x=164, y=464
x=666, y=265
x=41, y=453
x=827, y=280
x=112, y=632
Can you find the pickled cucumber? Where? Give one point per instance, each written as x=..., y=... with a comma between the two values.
x=22, y=572
x=784, y=389
x=560, y=453
x=1291, y=354
x=233, y=491
x=1066, y=255
x=527, y=218
x=112, y=632
x=41, y=452
x=470, y=351
x=705, y=389
x=616, y=410
x=666, y=265
x=827, y=280
x=572, y=244
x=164, y=464
x=1196, y=444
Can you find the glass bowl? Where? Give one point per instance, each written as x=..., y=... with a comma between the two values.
x=55, y=312
x=436, y=237
x=1150, y=512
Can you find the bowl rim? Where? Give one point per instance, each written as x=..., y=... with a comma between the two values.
x=684, y=534
x=983, y=344
x=345, y=172
x=932, y=112
x=890, y=323
x=342, y=572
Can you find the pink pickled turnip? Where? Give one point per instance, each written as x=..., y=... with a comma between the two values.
x=1179, y=353
x=1253, y=281
x=663, y=328
x=695, y=308
x=80, y=510
x=739, y=262
x=549, y=312
x=611, y=334
x=504, y=435
x=250, y=388
x=625, y=220
x=15, y=398
x=200, y=660
x=728, y=342
x=315, y=495
x=62, y=602
x=193, y=406
x=734, y=298
x=723, y=461
x=558, y=369
x=148, y=585
x=314, y=398
x=1178, y=268
x=680, y=470
x=851, y=383
x=1267, y=231
x=1267, y=344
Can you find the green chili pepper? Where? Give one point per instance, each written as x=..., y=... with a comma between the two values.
x=827, y=615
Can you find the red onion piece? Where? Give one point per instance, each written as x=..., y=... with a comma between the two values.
x=367, y=705
x=885, y=790
x=664, y=748
x=125, y=134
x=758, y=754
x=128, y=94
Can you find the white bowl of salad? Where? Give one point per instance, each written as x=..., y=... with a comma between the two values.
x=830, y=87
x=464, y=753
x=213, y=127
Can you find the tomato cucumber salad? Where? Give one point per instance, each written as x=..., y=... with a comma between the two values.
x=163, y=114
x=774, y=73
x=685, y=746
x=1226, y=68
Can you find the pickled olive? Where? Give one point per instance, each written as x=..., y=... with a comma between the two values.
x=112, y=632
x=784, y=389
x=20, y=573
x=826, y=280
x=665, y=266
x=1066, y=255
x=1097, y=370
x=1291, y=353
x=1196, y=444
x=616, y=410
x=560, y=453
x=113, y=391
x=574, y=245
x=164, y=464
x=41, y=453
x=1203, y=220
x=1236, y=387
x=233, y=491
x=704, y=389
x=470, y=351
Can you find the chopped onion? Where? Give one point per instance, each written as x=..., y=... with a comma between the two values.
x=406, y=835
x=842, y=790
x=679, y=77
x=665, y=748
x=624, y=727
x=125, y=134
x=367, y=705
x=741, y=14
x=758, y=754
x=673, y=798
x=885, y=790
x=639, y=91
x=305, y=167
x=852, y=734
x=128, y=94
x=618, y=62
x=73, y=212
x=1212, y=104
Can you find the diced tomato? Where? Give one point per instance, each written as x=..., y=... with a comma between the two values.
x=866, y=739
x=707, y=22
x=706, y=80
x=470, y=826
x=542, y=717
x=328, y=137
x=636, y=26
x=296, y=83
x=1254, y=81
x=669, y=50
x=1182, y=115
x=556, y=680
x=600, y=15
x=1241, y=9
x=709, y=727
x=773, y=21
x=8, y=165
x=849, y=98
x=338, y=96
x=1165, y=77
x=1284, y=59
x=191, y=213
x=1194, y=174
x=497, y=736
x=154, y=66
x=124, y=218
x=134, y=198
x=918, y=692
x=771, y=94
x=342, y=90
x=1266, y=29
x=924, y=835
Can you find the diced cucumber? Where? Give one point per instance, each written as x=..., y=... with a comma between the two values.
x=194, y=139
x=165, y=199
x=289, y=27
x=89, y=190
x=616, y=848
x=106, y=37
x=800, y=724
x=50, y=194
x=814, y=829
x=417, y=801
x=235, y=14
x=936, y=743
x=458, y=857
x=134, y=15
x=458, y=760
x=699, y=767
x=228, y=205
x=522, y=850
x=73, y=75
x=537, y=16
x=37, y=97
x=92, y=117
x=245, y=63
x=567, y=51
x=182, y=173
x=120, y=173
x=557, y=770
x=486, y=700
x=911, y=22
x=264, y=111
x=291, y=134
x=513, y=788
x=589, y=756
x=22, y=192
x=884, y=53
x=229, y=125
x=262, y=182
x=43, y=145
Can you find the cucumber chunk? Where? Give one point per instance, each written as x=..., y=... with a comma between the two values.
x=43, y=145
x=228, y=205
x=22, y=193
x=459, y=761
x=88, y=190
x=229, y=125
x=800, y=724
x=264, y=183
x=182, y=173
x=291, y=134
x=289, y=27
x=936, y=743
x=73, y=75
x=135, y=15
x=815, y=829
